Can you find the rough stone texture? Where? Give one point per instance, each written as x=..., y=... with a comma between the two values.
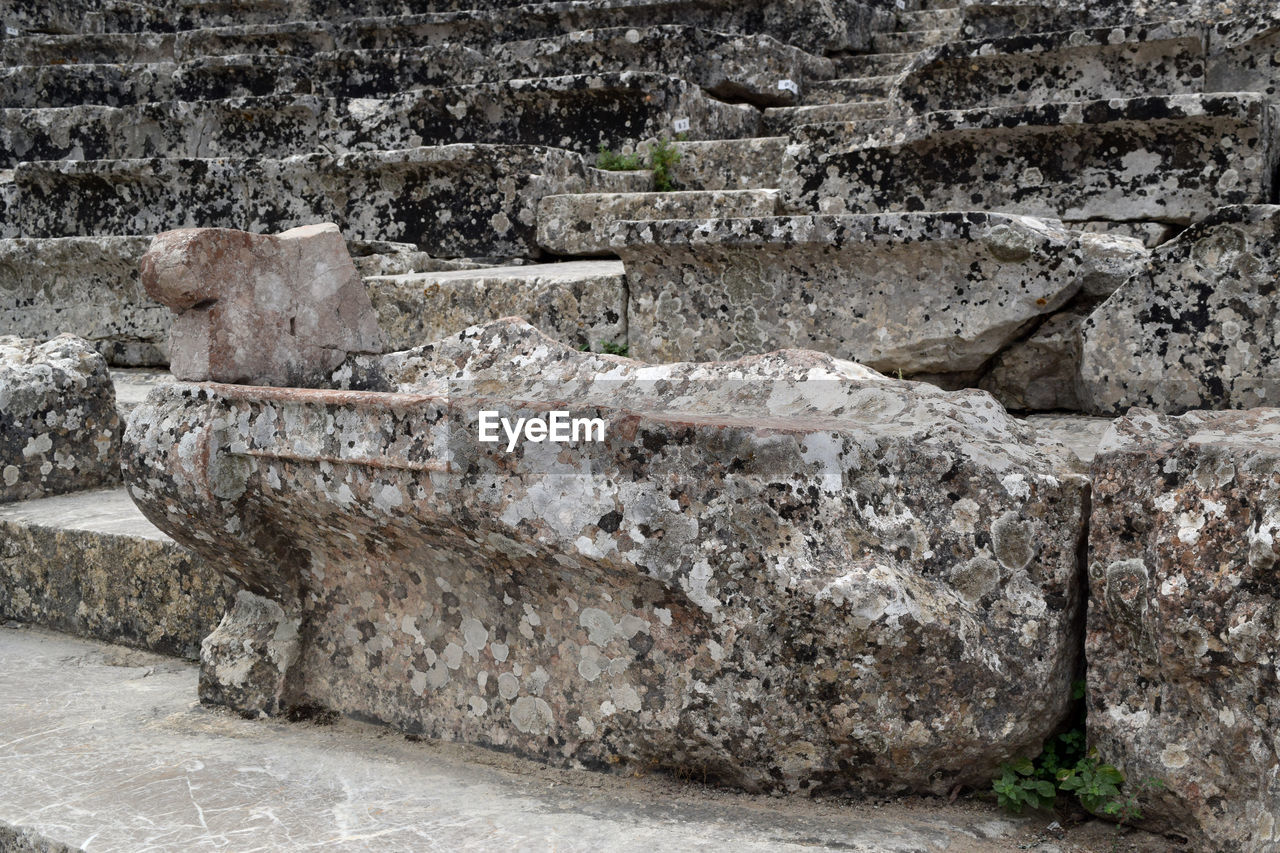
x=572, y=112
x=1183, y=617
x=465, y=201
x=1042, y=372
x=1242, y=54
x=581, y=224
x=920, y=293
x=1154, y=159
x=775, y=580
x=246, y=661
x=730, y=164
x=582, y=303
x=86, y=286
x=1167, y=58
x=260, y=309
x=1199, y=328
x=89, y=564
x=59, y=430
x=1081, y=434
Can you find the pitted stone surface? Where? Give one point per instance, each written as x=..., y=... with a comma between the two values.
x=59, y=430
x=86, y=286
x=1042, y=372
x=920, y=293
x=786, y=571
x=582, y=303
x=256, y=309
x=1199, y=328
x=1165, y=159
x=1183, y=619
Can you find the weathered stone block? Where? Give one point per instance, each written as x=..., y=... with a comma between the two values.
x=581, y=224
x=1183, y=619
x=260, y=309
x=1166, y=159
x=1199, y=329
x=785, y=571
x=59, y=430
x=90, y=564
x=1041, y=373
x=85, y=286
x=920, y=293
x=1243, y=54
x=581, y=303
x=730, y=164
x=1166, y=58
x=245, y=663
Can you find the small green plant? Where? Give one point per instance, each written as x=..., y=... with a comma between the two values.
x=612, y=161
x=610, y=348
x=663, y=155
x=1064, y=766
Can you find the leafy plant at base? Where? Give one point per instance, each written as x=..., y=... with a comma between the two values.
x=610, y=348
x=611, y=161
x=663, y=155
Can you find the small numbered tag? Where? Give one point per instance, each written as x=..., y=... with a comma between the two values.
x=10, y=31
x=681, y=125
x=901, y=4
x=789, y=86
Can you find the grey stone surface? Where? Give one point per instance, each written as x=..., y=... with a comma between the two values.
x=347, y=787
x=1242, y=54
x=580, y=303
x=1166, y=58
x=1167, y=159
x=59, y=430
x=585, y=604
x=581, y=224
x=730, y=164
x=260, y=309
x=1198, y=330
x=1182, y=619
x=1081, y=434
x=134, y=384
x=920, y=293
x=1042, y=372
x=86, y=286
x=90, y=564
x=453, y=201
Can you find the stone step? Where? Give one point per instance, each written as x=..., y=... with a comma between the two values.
x=845, y=90
x=1243, y=54
x=580, y=303
x=779, y=121
x=843, y=25
x=133, y=384
x=730, y=67
x=576, y=113
x=909, y=40
x=462, y=201
x=916, y=293
x=730, y=164
x=579, y=225
x=1147, y=159
x=1081, y=65
x=89, y=563
x=872, y=64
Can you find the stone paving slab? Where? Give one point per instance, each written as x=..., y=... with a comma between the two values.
x=104, y=749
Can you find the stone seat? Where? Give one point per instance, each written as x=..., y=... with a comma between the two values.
x=916, y=293
x=758, y=573
x=574, y=112
x=1074, y=65
x=779, y=121
x=1161, y=159
x=735, y=67
x=453, y=201
x=730, y=164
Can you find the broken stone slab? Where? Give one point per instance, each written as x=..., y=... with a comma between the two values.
x=89, y=564
x=915, y=292
x=786, y=572
x=59, y=430
x=581, y=224
x=1198, y=329
x=85, y=286
x=1158, y=159
x=460, y=201
x=1182, y=627
x=1166, y=58
x=260, y=309
x=579, y=303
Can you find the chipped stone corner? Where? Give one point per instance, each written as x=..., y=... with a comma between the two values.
x=247, y=663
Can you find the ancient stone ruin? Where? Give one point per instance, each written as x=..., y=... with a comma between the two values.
x=851, y=400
